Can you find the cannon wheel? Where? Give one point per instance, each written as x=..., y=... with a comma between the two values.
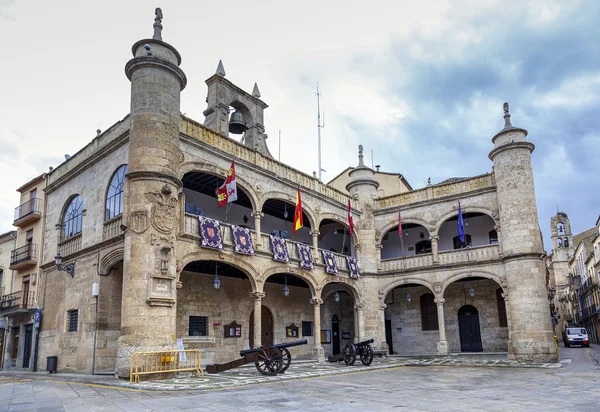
x=366, y=355
x=287, y=359
x=269, y=361
x=349, y=354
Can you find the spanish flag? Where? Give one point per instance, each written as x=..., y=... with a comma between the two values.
x=298, y=213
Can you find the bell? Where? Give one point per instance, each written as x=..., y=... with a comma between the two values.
x=236, y=123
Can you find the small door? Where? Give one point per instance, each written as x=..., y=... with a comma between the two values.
x=468, y=327
x=266, y=324
x=388, y=335
x=27, y=346
x=335, y=331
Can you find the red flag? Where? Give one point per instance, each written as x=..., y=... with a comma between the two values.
x=227, y=192
x=298, y=223
x=399, y=225
x=350, y=220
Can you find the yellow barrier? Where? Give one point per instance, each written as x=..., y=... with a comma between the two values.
x=144, y=363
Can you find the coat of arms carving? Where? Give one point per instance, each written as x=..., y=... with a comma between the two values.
x=138, y=221
x=164, y=209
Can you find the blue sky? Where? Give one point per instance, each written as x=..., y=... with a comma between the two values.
x=420, y=86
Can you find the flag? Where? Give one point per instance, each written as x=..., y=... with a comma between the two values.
x=350, y=220
x=227, y=192
x=399, y=225
x=298, y=213
x=461, y=225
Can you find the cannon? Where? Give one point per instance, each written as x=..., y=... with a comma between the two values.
x=269, y=360
x=363, y=349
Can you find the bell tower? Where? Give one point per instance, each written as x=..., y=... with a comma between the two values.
x=247, y=117
x=150, y=216
x=530, y=333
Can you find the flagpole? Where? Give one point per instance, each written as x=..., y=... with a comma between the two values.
x=403, y=257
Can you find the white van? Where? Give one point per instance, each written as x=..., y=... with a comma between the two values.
x=576, y=336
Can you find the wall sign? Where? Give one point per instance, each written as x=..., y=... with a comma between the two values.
x=291, y=331
x=233, y=330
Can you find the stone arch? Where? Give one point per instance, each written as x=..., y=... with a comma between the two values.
x=342, y=220
x=405, y=281
x=466, y=209
x=465, y=274
x=213, y=169
x=286, y=197
x=299, y=273
x=110, y=259
x=219, y=256
x=394, y=223
x=248, y=118
x=345, y=286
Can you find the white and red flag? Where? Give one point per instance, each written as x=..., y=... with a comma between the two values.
x=350, y=220
x=399, y=225
x=227, y=193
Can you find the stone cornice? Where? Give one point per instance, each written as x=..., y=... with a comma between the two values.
x=436, y=268
x=509, y=129
x=522, y=256
x=86, y=251
x=151, y=61
x=515, y=145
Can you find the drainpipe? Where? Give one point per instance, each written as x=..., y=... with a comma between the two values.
x=12, y=276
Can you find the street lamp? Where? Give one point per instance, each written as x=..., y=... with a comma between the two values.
x=286, y=290
x=216, y=280
x=408, y=297
x=472, y=292
x=337, y=297
x=67, y=267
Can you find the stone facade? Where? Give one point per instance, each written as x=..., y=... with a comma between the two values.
x=155, y=279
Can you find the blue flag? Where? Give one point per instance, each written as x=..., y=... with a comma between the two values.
x=461, y=225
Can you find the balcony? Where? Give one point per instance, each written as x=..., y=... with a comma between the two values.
x=23, y=257
x=112, y=228
x=28, y=212
x=262, y=243
x=69, y=246
x=17, y=302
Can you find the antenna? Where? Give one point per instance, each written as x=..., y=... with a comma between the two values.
x=319, y=127
x=372, y=162
x=279, y=145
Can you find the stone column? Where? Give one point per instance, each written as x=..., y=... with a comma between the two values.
x=318, y=352
x=506, y=307
x=497, y=228
x=442, y=345
x=384, y=344
x=258, y=297
x=8, y=343
x=434, y=249
x=356, y=331
x=359, y=307
x=315, y=240
x=257, y=214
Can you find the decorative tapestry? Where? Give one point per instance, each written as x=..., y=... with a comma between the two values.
x=329, y=260
x=280, y=251
x=353, y=267
x=210, y=233
x=306, y=259
x=242, y=240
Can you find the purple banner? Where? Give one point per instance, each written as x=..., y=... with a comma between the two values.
x=279, y=248
x=329, y=260
x=353, y=267
x=305, y=254
x=210, y=233
x=242, y=240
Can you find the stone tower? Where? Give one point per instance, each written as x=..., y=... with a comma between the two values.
x=223, y=94
x=531, y=335
x=363, y=192
x=151, y=199
x=562, y=252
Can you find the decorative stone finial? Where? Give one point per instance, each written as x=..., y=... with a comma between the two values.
x=360, y=155
x=506, y=117
x=255, y=91
x=157, y=24
x=428, y=181
x=220, y=69
x=98, y=132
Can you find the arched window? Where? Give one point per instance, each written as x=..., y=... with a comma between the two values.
x=493, y=237
x=114, y=194
x=423, y=246
x=566, y=242
x=559, y=242
x=459, y=245
x=501, y=308
x=560, y=227
x=429, y=318
x=73, y=218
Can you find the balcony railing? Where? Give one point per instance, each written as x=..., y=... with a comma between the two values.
x=408, y=262
x=23, y=256
x=262, y=242
x=467, y=255
x=112, y=228
x=31, y=208
x=70, y=246
x=17, y=301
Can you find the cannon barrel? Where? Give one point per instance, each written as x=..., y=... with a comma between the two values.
x=364, y=342
x=278, y=346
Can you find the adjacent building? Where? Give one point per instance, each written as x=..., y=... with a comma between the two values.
x=137, y=253
x=7, y=244
x=19, y=305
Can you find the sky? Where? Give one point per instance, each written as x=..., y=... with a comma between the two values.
x=419, y=84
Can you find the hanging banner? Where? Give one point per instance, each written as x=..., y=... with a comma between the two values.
x=305, y=254
x=353, y=267
x=210, y=233
x=329, y=260
x=279, y=248
x=242, y=240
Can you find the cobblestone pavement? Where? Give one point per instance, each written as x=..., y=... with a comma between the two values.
x=428, y=384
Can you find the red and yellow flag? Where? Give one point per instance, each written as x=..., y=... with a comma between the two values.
x=298, y=223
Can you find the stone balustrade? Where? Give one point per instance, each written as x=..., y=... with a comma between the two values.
x=70, y=246
x=408, y=262
x=112, y=228
x=467, y=255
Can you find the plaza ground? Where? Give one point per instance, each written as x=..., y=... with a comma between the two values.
x=434, y=385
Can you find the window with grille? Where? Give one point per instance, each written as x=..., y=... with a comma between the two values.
x=115, y=193
x=73, y=218
x=72, y=318
x=429, y=318
x=307, y=329
x=198, y=325
x=501, y=308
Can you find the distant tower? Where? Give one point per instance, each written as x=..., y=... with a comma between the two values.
x=562, y=252
x=246, y=119
x=151, y=199
x=530, y=332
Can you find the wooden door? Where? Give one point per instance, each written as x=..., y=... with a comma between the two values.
x=335, y=331
x=266, y=324
x=468, y=327
x=388, y=335
x=27, y=345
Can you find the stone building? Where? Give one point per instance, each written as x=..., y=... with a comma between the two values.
x=7, y=245
x=20, y=305
x=156, y=260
